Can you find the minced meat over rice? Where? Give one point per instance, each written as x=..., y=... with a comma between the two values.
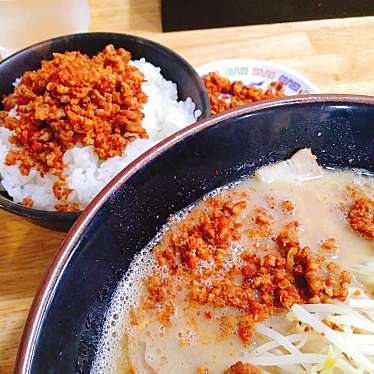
x=74, y=99
x=71, y=121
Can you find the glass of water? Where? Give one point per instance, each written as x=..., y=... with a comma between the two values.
x=25, y=22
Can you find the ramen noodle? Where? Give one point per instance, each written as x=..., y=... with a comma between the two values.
x=272, y=274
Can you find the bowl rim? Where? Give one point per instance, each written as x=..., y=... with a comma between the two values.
x=50, y=280
x=47, y=215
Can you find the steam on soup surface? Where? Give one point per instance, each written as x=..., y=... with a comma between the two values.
x=273, y=274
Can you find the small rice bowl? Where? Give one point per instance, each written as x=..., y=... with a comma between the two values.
x=86, y=173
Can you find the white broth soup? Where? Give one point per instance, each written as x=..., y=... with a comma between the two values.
x=273, y=274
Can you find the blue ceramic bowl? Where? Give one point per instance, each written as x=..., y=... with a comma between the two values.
x=65, y=321
x=173, y=67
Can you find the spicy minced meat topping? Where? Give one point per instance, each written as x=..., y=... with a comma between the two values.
x=361, y=216
x=74, y=99
x=241, y=368
x=267, y=277
x=224, y=94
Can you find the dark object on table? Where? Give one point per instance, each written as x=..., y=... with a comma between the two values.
x=63, y=327
x=200, y=14
x=173, y=67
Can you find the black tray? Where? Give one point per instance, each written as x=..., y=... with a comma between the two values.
x=198, y=14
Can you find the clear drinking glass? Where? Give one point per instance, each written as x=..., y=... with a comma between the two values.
x=24, y=22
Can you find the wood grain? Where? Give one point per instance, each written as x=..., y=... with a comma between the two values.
x=25, y=252
x=335, y=54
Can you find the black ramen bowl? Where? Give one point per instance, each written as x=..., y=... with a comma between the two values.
x=64, y=324
x=173, y=67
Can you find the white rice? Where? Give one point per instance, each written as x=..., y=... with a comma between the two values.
x=87, y=175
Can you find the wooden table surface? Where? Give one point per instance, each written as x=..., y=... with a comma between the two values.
x=337, y=55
